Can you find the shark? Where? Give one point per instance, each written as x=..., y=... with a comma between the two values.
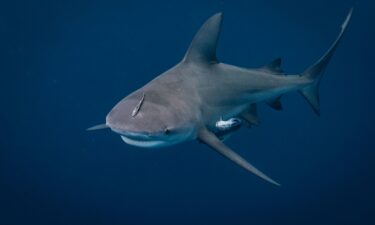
x=190, y=100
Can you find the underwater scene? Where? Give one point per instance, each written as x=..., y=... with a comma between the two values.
x=263, y=112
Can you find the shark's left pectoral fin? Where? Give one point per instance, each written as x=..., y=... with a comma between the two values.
x=97, y=127
x=250, y=115
x=212, y=141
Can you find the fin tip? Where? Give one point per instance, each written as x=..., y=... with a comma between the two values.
x=347, y=19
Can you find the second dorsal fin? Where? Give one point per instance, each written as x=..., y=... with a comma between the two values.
x=203, y=46
x=274, y=66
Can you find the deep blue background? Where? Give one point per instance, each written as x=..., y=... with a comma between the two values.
x=64, y=64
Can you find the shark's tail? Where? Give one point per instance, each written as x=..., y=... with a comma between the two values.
x=315, y=72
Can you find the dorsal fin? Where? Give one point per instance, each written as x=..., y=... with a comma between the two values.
x=203, y=46
x=274, y=66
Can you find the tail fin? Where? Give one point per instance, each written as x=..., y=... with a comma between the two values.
x=315, y=72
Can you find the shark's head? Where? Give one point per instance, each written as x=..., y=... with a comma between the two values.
x=145, y=123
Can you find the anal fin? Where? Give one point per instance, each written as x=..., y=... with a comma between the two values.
x=212, y=141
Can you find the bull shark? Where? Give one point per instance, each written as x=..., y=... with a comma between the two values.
x=187, y=101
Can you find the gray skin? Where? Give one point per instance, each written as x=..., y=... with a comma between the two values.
x=185, y=102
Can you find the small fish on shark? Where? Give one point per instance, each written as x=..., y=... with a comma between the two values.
x=201, y=98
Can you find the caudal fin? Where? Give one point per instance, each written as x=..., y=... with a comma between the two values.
x=315, y=72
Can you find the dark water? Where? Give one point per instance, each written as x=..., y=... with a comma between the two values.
x=64, y=64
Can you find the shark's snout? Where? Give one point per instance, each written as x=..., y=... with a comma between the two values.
x=145, y=124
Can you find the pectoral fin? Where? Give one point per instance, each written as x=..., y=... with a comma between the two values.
x=212, y=141
x=250, y=115
x=97, y=127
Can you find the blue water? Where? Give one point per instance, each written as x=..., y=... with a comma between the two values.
x=64, y=64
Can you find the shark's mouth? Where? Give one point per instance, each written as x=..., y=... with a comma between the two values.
x=152, y=140
x=143, y=140
x=144, y=143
